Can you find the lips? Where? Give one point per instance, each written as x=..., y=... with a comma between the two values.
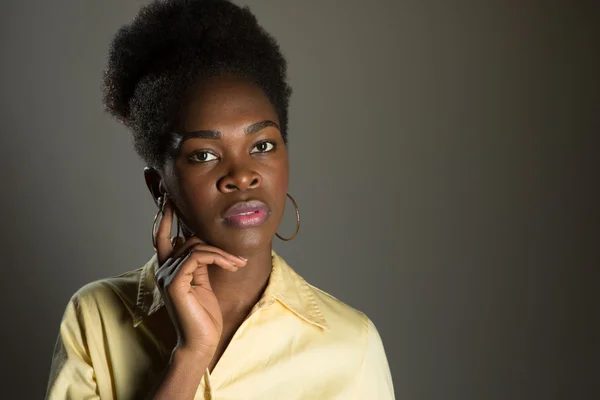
x=246, y=214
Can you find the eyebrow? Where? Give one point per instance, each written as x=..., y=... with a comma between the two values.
x=211, y=134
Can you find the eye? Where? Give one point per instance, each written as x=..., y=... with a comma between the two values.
x=202, y=156
x=263, y=147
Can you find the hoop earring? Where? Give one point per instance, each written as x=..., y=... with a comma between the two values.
x=161, y=206
x=176, y=240
x=297, y=221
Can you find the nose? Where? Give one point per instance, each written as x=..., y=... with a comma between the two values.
x=241, y=179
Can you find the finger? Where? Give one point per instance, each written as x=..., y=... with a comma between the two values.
x=201, y=278
x=237, y=261
x=163, y=236
x=195, y=243
x=187, y=246
x=180, y=273
x=205, y=258
x=184, y=273
x=177, y=242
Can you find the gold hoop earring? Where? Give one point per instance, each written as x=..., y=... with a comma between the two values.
x=176, y=240
x=297, y=221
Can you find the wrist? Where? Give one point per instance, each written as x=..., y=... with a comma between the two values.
x=182, y=376
x=188, y=357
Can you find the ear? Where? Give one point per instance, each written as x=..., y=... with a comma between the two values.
x=155, y=184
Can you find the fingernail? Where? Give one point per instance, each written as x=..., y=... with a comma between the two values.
x=242, y=258
x=234, y=269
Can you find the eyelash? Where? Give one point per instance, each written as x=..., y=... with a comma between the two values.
x=193, y=156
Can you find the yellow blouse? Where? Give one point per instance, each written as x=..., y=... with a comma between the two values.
x=297, y=343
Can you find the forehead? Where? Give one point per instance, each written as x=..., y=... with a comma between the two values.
x=227, y=100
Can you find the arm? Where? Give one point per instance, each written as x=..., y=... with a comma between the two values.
x=79, y=368
x=374, y=380
x=177, y=382
x=192, y=305
x=71, y=373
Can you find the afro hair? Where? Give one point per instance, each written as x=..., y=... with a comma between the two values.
x=172, y=44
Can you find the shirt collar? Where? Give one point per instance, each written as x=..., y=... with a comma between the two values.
x=285, y=286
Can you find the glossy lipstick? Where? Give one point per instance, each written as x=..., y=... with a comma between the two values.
x=246, y=214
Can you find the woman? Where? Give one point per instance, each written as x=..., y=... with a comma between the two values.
x=216, y=313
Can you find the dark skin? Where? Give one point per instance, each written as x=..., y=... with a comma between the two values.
x=229, y=149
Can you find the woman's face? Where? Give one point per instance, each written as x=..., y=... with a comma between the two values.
x=229, y=172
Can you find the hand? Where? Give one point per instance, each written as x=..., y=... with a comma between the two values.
x=184, y=283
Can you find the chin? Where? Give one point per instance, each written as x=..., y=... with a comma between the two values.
x=244, y=241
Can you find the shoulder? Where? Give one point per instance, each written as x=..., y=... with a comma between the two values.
x=375, y=376
x=109, y=294
x=340, y=317
x=333, y=307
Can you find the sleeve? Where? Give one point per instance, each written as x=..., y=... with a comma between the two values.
x=71, y=373
x=375, y=379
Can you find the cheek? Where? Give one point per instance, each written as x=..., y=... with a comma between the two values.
x=279, y=185
x=278, y=176
x=199, y=196
x=196, y=193
x=280, y=182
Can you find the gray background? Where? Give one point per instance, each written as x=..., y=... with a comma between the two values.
x=443, y=157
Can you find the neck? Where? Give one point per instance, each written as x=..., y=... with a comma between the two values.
x=237, y=292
